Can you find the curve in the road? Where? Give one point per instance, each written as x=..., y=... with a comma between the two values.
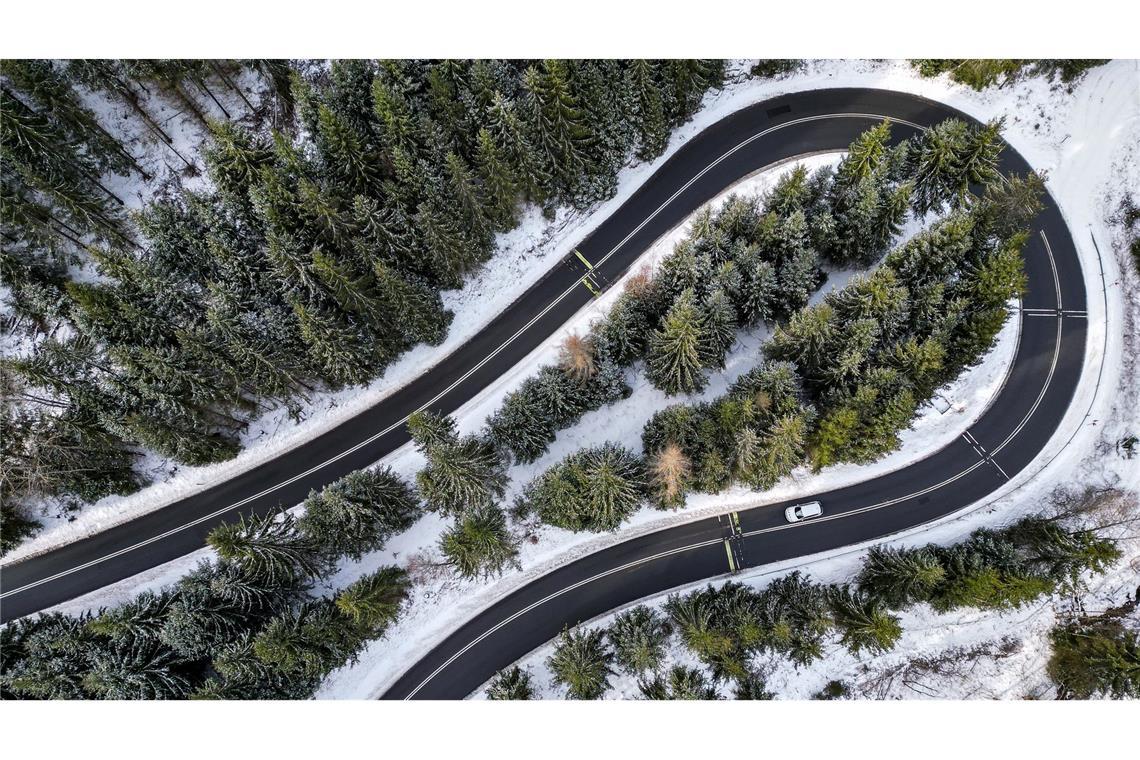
x=734, y=147
x=1040, y=384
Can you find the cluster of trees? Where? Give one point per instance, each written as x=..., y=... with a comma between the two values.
x=842, y=378
x=754, y=260
x=981, y=73
x=1097, y=655
x=593, y=489
x=246, y=626
x=992, y=569
x=465, y=478
x=317, y=253
x=845, y=376
x=727, y=627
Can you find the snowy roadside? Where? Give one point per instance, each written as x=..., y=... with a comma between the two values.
x=526, y=253
x=548, y=547
x=1079, y=175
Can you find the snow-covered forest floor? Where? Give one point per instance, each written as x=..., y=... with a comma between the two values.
x=1086, y=141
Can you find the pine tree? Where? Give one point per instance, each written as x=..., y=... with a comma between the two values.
x=511, y=684
x=937, y=166
x=241, y=675
x=864, y=155
x=1095, y=656
x=136, y=670
x=864, y=621
x=581, y=663
x=593, y=489
x=373, y=602
x=681, y=682
x=268, y=547
x=781, y=450
x=346, y=153
x=980, y=156
x=639, y=637
x=47, y=657
x=676, y=350
x=358, y=513
x=752, y=686
x=1010, y=206
x=480, y=544
x=462, y=473
x=307, y=643
x=560, y=135
x=200, y=619
x=510, y=136
x=468, y=195
x=900, y=577
x=417, y=309
x=334, y=346
x=499, y=180
x=653, y=132
x=719, y=331
x=139, y=620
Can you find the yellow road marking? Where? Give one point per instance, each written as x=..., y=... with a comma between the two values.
x=728, y=551
x=583, y=259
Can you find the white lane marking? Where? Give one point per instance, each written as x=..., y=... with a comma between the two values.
x=978, y=447
x=464, y=377
x=1052, y=263
x=1052, y=365
x=555, y=595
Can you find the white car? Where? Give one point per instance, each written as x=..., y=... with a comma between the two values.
x=803, y=511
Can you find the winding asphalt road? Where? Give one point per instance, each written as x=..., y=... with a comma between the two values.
x=1038, y=390
x=1005, y=439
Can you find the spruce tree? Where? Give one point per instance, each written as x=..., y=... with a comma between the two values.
x=677, y=350
x=268, y=547
x=307, y=643
x=480, y=544
x=593, y=489
x=373, y=602
x=581, y=663
x=358, y=513
x=900, y=577
x=681, y=682
x=462, y=473
x=639, y=637
x=511, y=684
x=136, y=670
x=863, y=621
x=653, y=132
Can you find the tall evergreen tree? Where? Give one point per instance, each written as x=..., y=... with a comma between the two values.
x=480, y=544
x=639, y=637
x=677, y=350
x=511, y=684
x=581, y=663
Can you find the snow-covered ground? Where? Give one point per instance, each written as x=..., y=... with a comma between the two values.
x=1086, y=140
